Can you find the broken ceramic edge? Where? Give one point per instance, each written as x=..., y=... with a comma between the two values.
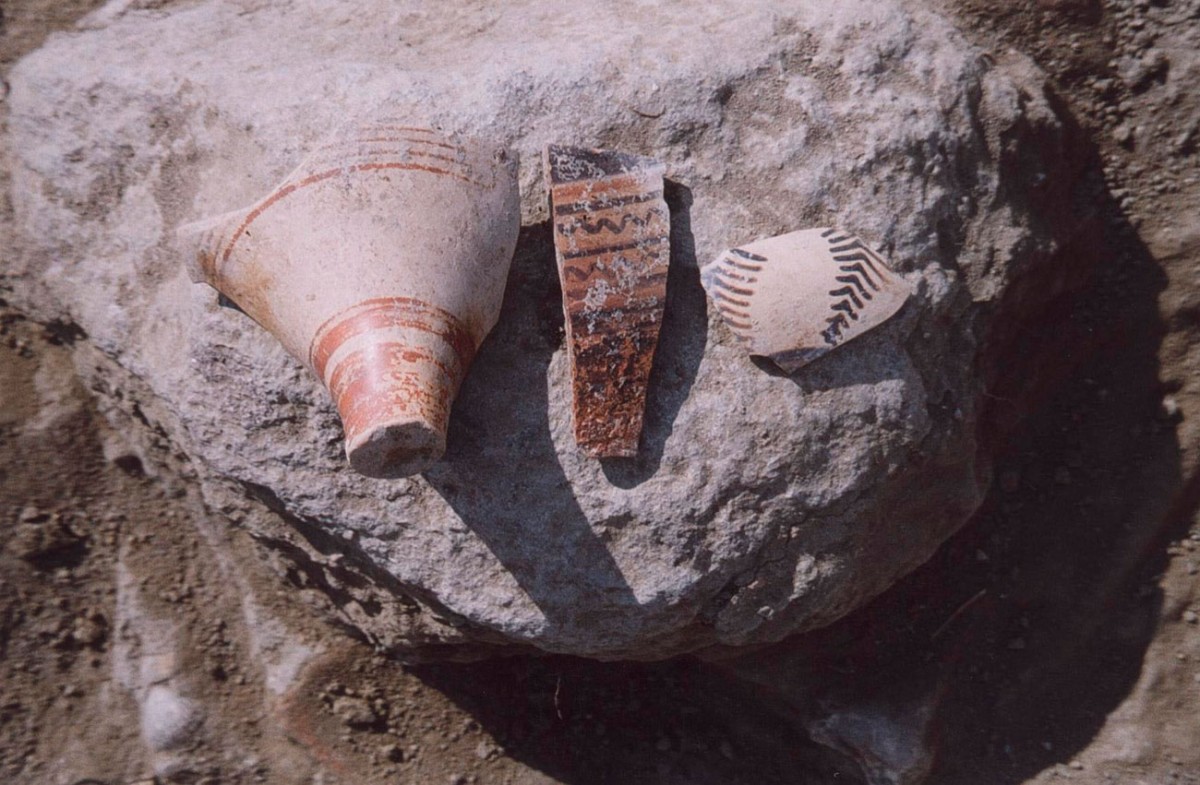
x=796, y=297
x=612, y=244
x=347, y=263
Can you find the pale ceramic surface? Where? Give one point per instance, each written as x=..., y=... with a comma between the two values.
x=795, y=297
x=381, y=263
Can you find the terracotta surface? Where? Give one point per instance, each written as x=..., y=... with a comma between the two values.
x=795, y=297
x=381, y=263
x=612, y=238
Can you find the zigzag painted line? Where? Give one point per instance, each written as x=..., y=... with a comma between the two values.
x=862, y=257
x=856, y=251
x=589, y=227
x=855, y=244
x=846, y=293
x=576, y=273
x=859, y=270
x=854, y=281
x=847, y=307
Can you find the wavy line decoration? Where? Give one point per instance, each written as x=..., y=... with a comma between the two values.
x=612, y=242
x=796, y=297
x=580, y=222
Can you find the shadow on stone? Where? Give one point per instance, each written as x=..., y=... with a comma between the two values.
x=1005, y=654
x=501, y=473
x=1001, y=656
x=680, y=347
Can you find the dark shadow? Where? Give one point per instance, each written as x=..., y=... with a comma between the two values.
x=677, y=722
x=872, y=358
x=501, y=473
x=1090, y=492
x=351, y=585
x=1017, y=639
x=680, y=347
x=1030, y=626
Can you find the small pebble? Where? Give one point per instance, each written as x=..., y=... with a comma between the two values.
x=1190, y=617
x=354, y=712
x=168, y=719
x=1170, y=407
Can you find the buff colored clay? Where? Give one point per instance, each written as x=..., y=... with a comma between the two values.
x=612, y=238
x=795, y=297
x=381, y=263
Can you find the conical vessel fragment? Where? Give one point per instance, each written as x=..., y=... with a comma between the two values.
x=381, y=263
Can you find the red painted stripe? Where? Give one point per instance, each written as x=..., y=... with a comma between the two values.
x=385, y=312
x=399, y=151
x=410, y=152
x=337, y=144
x=318, y=177
x=380, y=383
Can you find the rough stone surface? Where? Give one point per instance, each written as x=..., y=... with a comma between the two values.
x=761, y=504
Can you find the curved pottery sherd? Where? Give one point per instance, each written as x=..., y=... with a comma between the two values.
x=612, y=240
x=381, y=263
x=795, y=297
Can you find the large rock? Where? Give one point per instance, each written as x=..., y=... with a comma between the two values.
x=761, y=505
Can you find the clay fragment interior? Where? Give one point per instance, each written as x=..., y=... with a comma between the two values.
x=795, y=297
x=612, y=241
x=380, y=263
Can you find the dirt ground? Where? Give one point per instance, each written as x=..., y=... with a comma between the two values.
x=1056, y=637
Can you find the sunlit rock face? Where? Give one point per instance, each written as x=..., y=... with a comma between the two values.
x=759, y=504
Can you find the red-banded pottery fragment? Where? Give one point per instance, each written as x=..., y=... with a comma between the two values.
x=612, y=240
x=381, y=263
x=794, y=297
